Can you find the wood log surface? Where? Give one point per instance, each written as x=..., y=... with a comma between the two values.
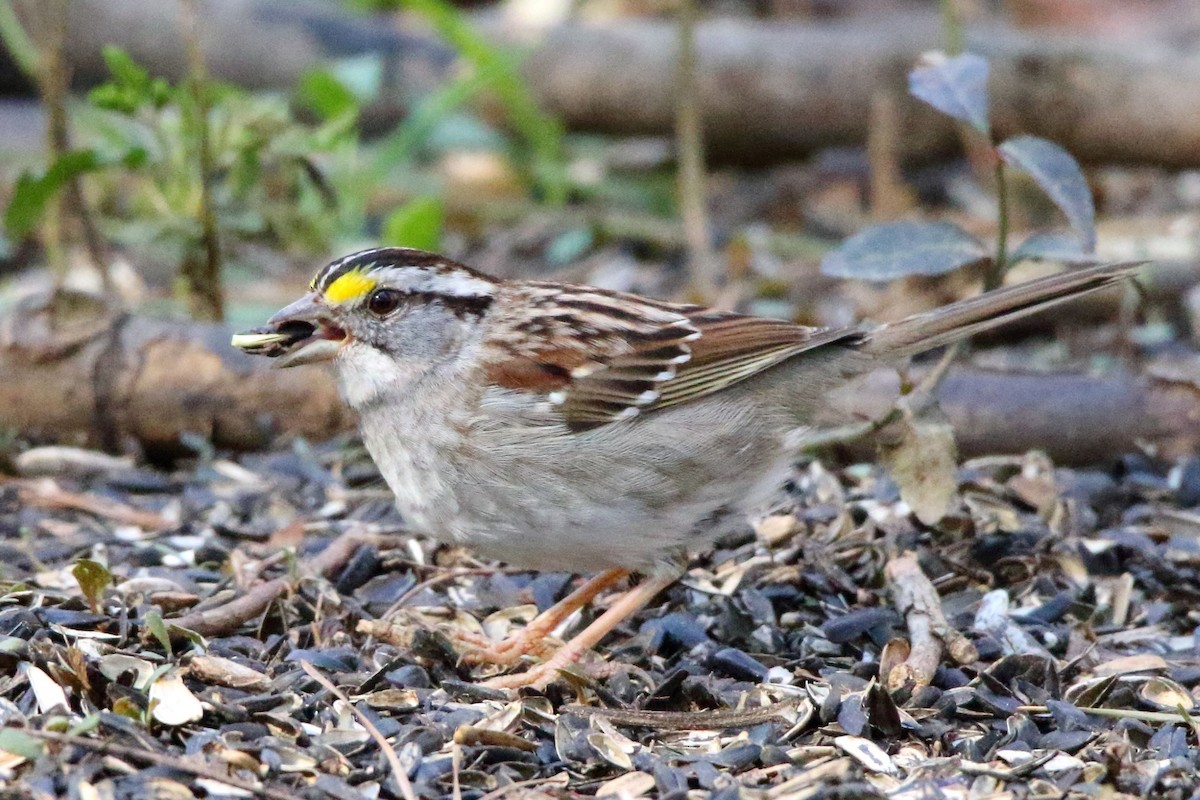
x=90, y=376
x=118, y=381
x=771, y=90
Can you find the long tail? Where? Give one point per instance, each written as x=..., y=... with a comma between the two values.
x=922, y=332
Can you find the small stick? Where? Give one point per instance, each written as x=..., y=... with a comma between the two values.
x=917, y=600
x=228, y=616
x=688, y=720
x=46, y=493
x=388, y=751
x=1125, y=713
x=1015, y=774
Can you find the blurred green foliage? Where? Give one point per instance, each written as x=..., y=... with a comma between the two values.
x=540, y=136
x=417, y=223
x=294, y=174
x=266, y=182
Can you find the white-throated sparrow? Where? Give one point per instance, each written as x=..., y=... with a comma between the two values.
x=570, y=428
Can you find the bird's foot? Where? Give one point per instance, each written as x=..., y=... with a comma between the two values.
x=506, y=653
x=531, y=640
x=542, y=675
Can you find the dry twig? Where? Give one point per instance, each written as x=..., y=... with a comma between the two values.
x=918, y=602
x=45, y=493
x=388, y=751
x=689, y=143
x=689, y=720
x=227, y=617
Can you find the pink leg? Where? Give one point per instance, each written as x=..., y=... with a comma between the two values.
x=631, y=602
x=531, y=637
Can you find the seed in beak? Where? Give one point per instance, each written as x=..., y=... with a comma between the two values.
x=273, y=340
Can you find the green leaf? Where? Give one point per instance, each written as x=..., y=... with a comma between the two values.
x=21, y=48
x=93, y=578
x=1058, y=174
x=417, y=224
x=541, y=132
x=198, y=642
x=897, y=249
x=134, y=158
x=126, y=707
x=1053, y=246
x=954, y=85
x=33, y=193
x=20, y=743
x=111, y=98
x=158, y=629
x=320, y=91
x=130, y=85
x=431, y=111
x=123, y=68
x=86, y=725
x=569, y=245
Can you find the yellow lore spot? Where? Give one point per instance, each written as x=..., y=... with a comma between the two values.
x=350, y=286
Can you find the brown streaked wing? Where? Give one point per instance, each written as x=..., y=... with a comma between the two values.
x=733, y=347
x=597, y=356
x=615, y=356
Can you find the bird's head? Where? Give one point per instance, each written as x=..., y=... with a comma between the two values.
x=379, y=313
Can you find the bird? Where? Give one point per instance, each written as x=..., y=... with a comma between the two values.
x=564, y=427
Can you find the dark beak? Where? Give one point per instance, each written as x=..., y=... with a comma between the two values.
x=300, y=333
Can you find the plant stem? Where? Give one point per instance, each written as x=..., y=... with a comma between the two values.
x=203, y=278
x=952, y=29
x=689, y=142
x=995, y=275
x=22, y=49
x=53, y=79
x=1182, y=715
x=52, y=85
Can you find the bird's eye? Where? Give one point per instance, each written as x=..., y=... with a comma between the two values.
x=383, y=302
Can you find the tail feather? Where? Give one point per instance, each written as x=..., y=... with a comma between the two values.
x=945, y=325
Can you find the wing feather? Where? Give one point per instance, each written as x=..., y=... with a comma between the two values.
x=604, y=356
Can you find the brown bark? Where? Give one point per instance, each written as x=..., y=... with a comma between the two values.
x=104, y=379
x=1076, y=419
x=917, y=600
x=770, y=90
x=776, y=90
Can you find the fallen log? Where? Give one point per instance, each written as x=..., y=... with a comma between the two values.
x=769, y=90
x=776, y=90
x=83, y=374
x=111, y=380
x=1077, y=419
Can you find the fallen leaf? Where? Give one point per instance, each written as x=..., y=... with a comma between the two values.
x=172, y=703
x=867, y=753
x=924, y=463
x=49, y=695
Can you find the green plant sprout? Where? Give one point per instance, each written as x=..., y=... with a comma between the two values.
x=957, y=86
x=142, y=137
